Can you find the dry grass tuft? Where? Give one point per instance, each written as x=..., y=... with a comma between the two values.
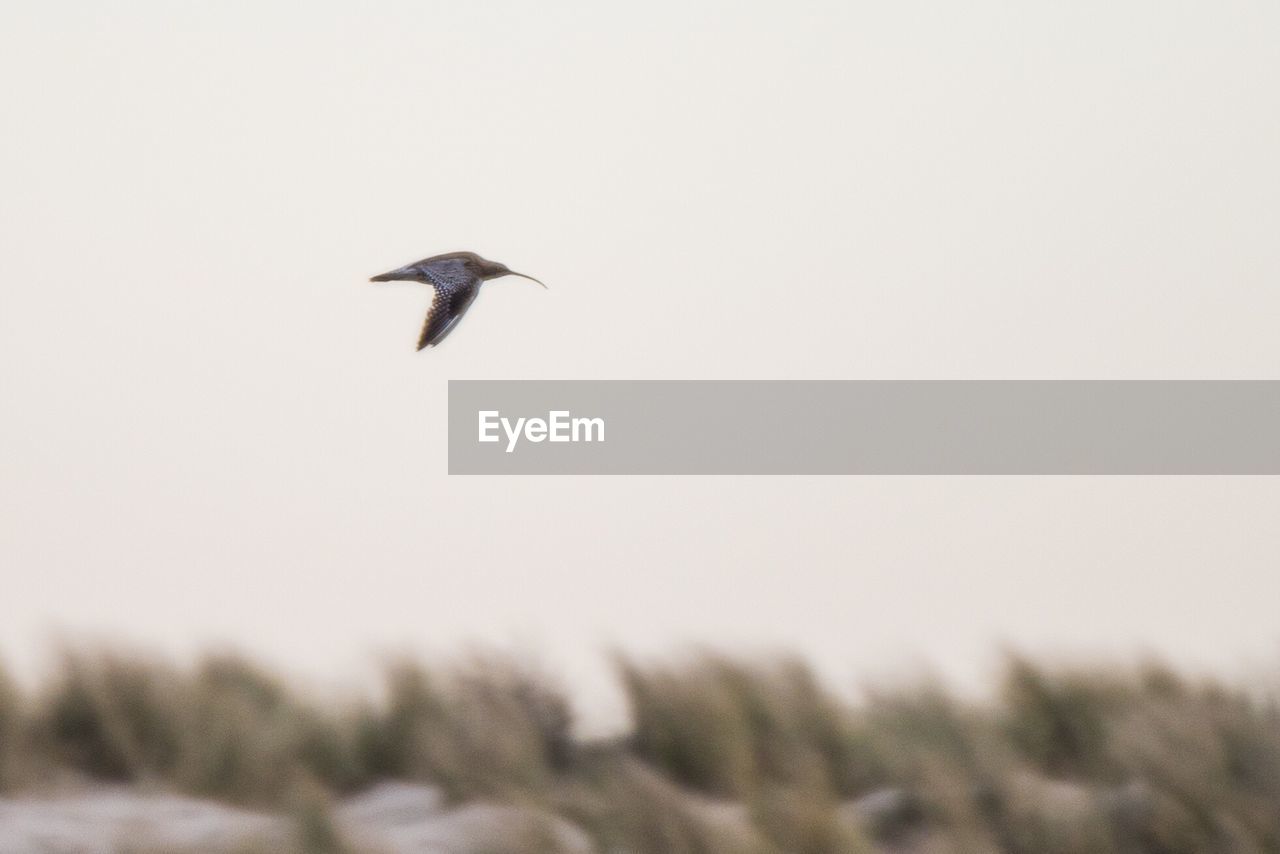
x=725, y=756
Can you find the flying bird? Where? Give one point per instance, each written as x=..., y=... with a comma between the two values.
x=455, y=278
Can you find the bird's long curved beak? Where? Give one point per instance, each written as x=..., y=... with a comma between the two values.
x=530, y=278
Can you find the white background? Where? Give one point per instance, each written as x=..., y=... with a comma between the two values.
x=214, y=430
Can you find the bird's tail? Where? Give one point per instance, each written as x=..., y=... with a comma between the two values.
x=399, y=274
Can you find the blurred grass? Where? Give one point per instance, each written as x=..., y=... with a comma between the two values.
x=11, y=726
x=724, y=756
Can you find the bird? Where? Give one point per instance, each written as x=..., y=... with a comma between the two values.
x=455, y=279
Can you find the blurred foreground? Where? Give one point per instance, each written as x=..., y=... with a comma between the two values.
x=116, y=753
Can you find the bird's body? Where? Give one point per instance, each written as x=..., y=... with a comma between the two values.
x=455, y=279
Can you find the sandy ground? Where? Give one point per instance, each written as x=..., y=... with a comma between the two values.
x=392, y=818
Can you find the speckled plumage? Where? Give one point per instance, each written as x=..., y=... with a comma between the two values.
x=455, y=279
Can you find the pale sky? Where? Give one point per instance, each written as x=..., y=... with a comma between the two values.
x=216, y=431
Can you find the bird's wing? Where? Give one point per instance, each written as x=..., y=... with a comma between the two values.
x=451, y=297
